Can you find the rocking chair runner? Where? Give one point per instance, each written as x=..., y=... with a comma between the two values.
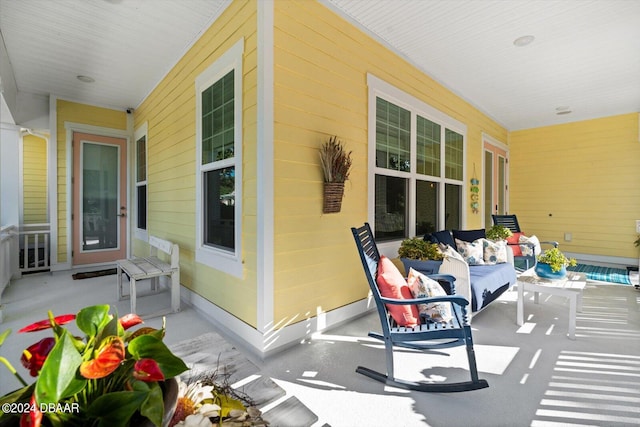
x=427, y=336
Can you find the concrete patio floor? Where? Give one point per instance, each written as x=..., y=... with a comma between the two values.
x=537, y=376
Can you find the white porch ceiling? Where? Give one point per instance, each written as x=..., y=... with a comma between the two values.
x=585, y=56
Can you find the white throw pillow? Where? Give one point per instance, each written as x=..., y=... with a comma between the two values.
x=448, y=251
x=422, y=286
x=472, y=252
x=495, y=252
x=526, y=249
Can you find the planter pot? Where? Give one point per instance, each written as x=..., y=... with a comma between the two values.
x=421, y=266
x=170, y=398
x=333, y=193
x=544, y=271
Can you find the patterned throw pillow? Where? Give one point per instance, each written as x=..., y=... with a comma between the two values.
x=472, y=252
x=448, y=251
x=495, y=252
x=526, y=249
x=422, y=286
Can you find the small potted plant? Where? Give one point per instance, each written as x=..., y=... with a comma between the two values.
x=336, y=166
x=552, y=264
x=498, y=232
x=420, y=255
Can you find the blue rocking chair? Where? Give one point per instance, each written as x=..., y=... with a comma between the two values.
x=522, y=262
x=426, y=336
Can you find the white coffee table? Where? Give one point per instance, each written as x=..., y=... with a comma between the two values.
x=570, y=287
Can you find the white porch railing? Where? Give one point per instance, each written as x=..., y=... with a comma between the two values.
x=34, y=247
x=8, y=257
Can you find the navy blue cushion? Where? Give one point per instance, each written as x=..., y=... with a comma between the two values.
x=469, y=235
x=444, y=236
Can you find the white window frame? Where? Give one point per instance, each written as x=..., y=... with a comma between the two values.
x=142, y=131
x=380, y=88
x=218, y=258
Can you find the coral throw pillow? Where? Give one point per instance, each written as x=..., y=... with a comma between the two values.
x=392, y=285
x=513, y=243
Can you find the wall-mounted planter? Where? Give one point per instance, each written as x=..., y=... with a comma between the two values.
x=336, y=163
x=333, y=193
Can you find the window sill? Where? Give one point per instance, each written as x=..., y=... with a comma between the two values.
x=224, y=261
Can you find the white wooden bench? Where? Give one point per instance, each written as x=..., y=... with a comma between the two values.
x=152, y=267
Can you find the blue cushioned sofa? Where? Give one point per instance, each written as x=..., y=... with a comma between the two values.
x=480, y=284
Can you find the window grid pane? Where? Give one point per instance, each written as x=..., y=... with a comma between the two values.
x=426, y=207
x=453, y=154
x=218, y=120
x=428, y=147
x=393, y=136
x=391, y=214
x=141, y=159
x=219, y=205
x=142, y=207
x=452, y=206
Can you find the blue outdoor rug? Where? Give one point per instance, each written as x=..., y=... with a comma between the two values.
x=603, y=274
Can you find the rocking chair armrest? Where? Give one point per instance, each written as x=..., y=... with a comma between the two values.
x=455, y=299
x=551, y=242
x=445, y=278
x=448, y=277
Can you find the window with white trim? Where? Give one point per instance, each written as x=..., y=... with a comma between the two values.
x=140, y=221
x=416, y=165
x=219, y=163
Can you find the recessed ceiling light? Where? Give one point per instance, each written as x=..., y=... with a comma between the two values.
x=523, y=41
x=86, y=79
x=563, y=109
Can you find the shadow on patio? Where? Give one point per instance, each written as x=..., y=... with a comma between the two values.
x=536, y=375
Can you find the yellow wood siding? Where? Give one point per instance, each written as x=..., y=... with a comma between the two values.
x=321, y=65
x=68, y=111
x=169, y=111
x=34, y=179
x=579, y=178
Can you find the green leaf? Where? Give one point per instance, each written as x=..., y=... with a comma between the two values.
x=115, y=409
x=21, y=395
x=91, y=319
x=153, y=406
x=58, y=375
x=148, y=346
x=4, y=335
x=228, y=404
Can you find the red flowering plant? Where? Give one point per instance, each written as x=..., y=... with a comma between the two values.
x=112, y=376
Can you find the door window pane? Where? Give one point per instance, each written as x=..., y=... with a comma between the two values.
x=100, y=223
x=502, y=185
x=488, y=187
x=391, y=199
x=219, y=227
x=426, y=207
